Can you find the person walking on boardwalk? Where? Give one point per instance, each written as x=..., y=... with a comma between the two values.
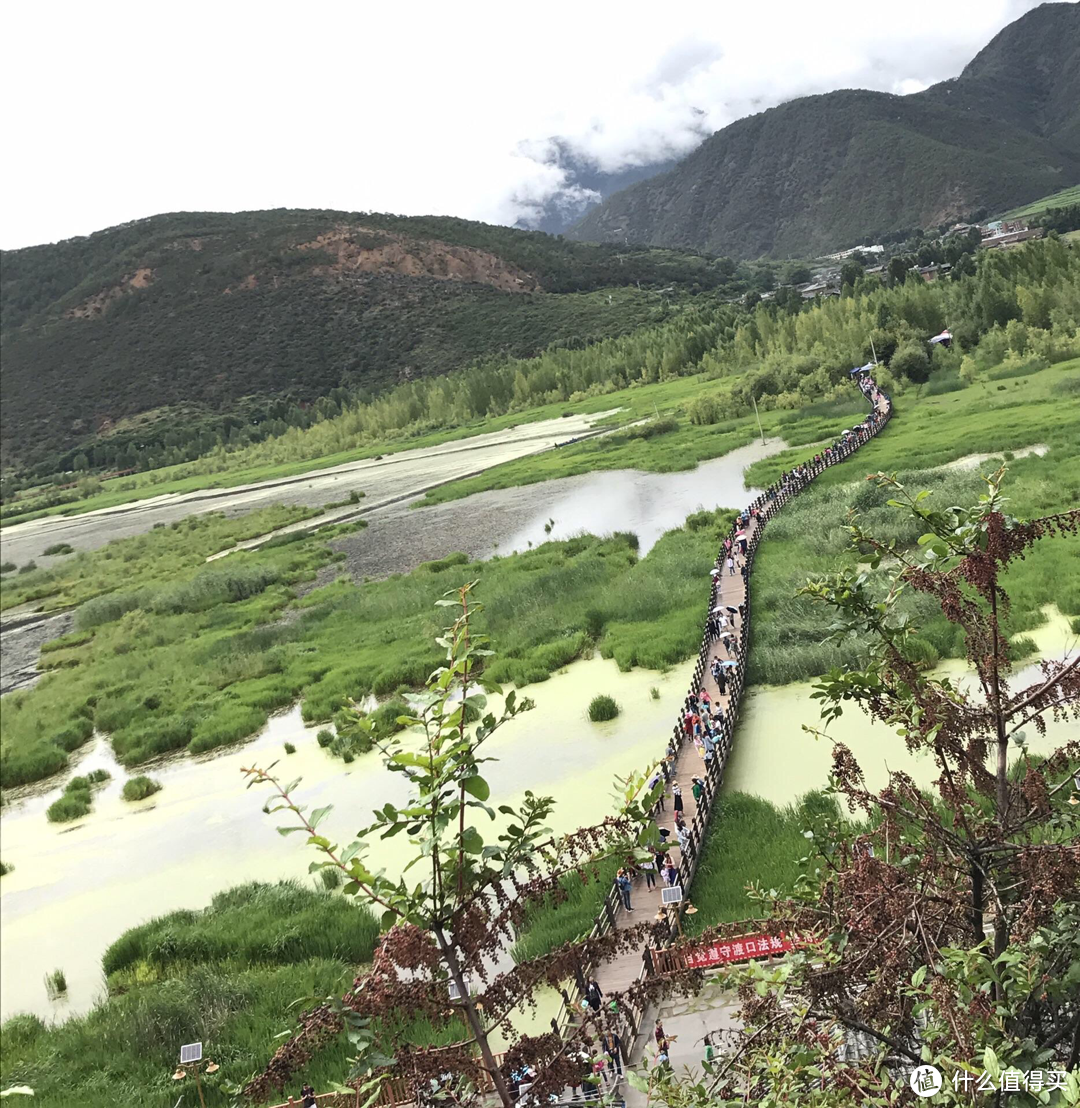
x=697, y=788
x=730, y=566
x=676, y=798
x=648, y=868
x=623, y=882
x=593, y=994
x=653, y=782
x=612, y=1045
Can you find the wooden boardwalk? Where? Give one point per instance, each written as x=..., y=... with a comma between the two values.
x=620, y=973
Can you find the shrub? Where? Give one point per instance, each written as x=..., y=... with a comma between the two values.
x=56, y=983
x=8, y=567
x=70, y=806
x=139, y=788
x=602, y=707
x=289, y=748
x=324, y=738
x=652, y=428
x=912, y=361
x=5, y=868
x=654, y=692
x=705, y=410
x=59, y=548
x=28, y=568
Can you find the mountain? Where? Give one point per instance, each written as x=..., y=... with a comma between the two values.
x=176, y=327
x=823, y=172
x=585, y=187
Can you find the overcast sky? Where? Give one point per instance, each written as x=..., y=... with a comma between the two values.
x=119, y=110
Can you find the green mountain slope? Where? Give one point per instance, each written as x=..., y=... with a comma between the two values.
x=194, y=315
x=822, y=172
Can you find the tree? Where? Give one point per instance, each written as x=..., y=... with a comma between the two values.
x=850, y=272
x=912, y=361
x=447, y=924
x=897, y=270
x=946, y=925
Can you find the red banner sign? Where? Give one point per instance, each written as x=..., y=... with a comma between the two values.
x=740, y=949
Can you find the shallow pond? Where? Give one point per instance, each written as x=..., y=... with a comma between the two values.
x=647, y=504
x=76, y=887
x=775, y=758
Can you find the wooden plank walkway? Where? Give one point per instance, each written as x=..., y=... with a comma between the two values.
x=618, y=974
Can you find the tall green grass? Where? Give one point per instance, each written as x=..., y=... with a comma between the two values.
x=750, y=841
x=253, y=924
x=139, y=788
x=550, y=923
x=230, y=976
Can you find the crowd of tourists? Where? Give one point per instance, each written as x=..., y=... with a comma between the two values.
x=704, y=721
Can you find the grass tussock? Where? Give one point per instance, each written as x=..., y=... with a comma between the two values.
x=140, y=787
x=77, y=798
x=249, y=924
x=602, y=708
x=550, y=923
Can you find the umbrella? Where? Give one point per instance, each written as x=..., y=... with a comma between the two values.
x=714, y=573
x=729, y=664
x=732, y=607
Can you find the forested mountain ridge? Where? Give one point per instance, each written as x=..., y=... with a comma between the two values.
x=823, y=172
x=195, y=315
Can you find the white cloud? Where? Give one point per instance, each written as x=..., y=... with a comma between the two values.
x=126, y=109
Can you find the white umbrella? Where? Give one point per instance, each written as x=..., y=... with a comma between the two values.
x=714, y=573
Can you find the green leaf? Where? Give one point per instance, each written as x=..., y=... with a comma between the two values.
x=289, y=830
x=476, y=786
x=472, y=841
x=919, y=976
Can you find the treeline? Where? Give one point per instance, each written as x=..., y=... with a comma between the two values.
x=1024, y=302
x=240, y=327
x=1062, y=219
x=785, y=356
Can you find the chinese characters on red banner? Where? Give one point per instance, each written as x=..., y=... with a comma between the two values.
x=739, y=950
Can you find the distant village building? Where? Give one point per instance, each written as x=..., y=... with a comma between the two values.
x=1008, y=233
x=842, y=254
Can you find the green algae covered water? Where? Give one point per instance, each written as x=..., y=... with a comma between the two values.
x=76, y=887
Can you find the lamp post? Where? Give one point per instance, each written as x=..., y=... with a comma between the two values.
x=191, y=1058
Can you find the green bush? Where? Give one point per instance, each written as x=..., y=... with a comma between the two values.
x=70, y=806
x=290, y=748
x=59, y=548
x=325, y=738
x=28, y=568
x=602, y=708
x=139, y=788
x=255, y=923
x=5, y=868
x=8, y=567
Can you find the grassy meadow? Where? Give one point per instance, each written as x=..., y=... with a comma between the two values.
x=200, y=660
x=230, y=976
x=808, y=537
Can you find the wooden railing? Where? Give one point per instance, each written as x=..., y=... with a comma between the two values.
x=765, y=506
x=394, y=1090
